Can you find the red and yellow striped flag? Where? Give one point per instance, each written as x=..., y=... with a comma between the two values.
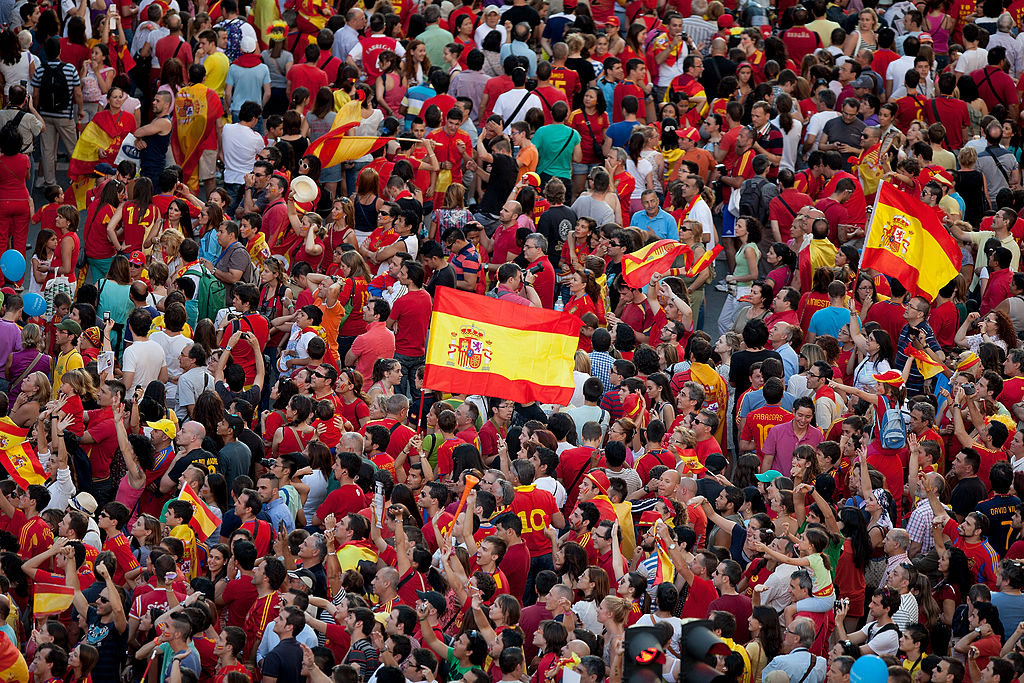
x=18, y=456
x=196, y=111
x=656, y=257
x=204, y=522
x=925, y=364
x=907, y=241
x=51, y=598
x=337, y=145
x=664, y=569
x=498, y=348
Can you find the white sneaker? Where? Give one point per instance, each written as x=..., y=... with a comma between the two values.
x=40, y=182
x=722, y=287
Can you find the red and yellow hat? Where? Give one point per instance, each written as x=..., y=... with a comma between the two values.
x=893, y=377
x=968, y=359
x=599, y=479
x=532, y=179
x=648, y=518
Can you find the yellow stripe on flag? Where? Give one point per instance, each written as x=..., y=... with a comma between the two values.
x=51, y=598
x=540, y=353
x=203, y=522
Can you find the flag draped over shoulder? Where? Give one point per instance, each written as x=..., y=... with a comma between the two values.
x=907, y=241
x=204, y=521
x=51, y=598
x=657, y=257
x=19, y=458
x=498, y=348
x=196, y=111
x=337, y=145
x=816, y=254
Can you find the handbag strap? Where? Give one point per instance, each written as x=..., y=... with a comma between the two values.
x=519, y=106
x=810, y=667
x=26, y=371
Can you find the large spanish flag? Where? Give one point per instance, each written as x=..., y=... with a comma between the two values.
x=337, y=146
x=656, y=257
x=907, y=241
x=492, y=347
x=196, y=111
x=99, y=142
x=51, y=598
x=204, y=521
x=18, y=456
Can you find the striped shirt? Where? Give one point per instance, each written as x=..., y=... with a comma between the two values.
x=70, y=74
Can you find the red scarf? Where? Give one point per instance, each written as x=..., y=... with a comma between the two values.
x=248, y=61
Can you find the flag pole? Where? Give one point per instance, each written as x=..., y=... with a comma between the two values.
x=874, y=207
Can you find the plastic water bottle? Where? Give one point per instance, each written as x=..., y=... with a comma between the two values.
x=559, y=304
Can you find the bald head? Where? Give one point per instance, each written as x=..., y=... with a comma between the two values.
x=173, y=22
x=351, y=442
x=688, y=487
x=719, y=46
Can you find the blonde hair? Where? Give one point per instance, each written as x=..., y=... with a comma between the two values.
x=454, y=197
x=874, y=17
x=42, y=394
x=967, y=157
x=618, y=608
x=171, y=241
x=81, y=382
x=575, y=42
x=31, y=336
x=582, y=362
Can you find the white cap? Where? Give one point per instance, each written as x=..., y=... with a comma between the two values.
x=491, y=8
x=248, y=45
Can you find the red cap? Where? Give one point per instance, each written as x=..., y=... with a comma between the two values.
x=137, y=258
x=690, y=133
x=648, y=518
x=725, y=21
x=599, y=479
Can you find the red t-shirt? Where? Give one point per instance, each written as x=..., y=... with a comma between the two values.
x=702, y=594
x=535, y=508
x=122, y=550
x=308, y=76
x=760, y=421
x=943, y=321
x=239, y=595
x=411, y=314
x=173, y=46
x=516, y=566
x=97, y=244
x=567, y=80
x=242, y=353
x=73, y=53
x=342, y=501
x=889, y=316
x=263, y=611
x=707, y=447
x=101, y=453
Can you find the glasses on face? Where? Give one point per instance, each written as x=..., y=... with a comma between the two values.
x=102, y=600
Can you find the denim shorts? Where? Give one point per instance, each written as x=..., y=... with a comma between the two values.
x=582, y=169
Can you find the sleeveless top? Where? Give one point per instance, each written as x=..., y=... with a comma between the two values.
x=366, y=217
x=940, y=36
x=153, y=158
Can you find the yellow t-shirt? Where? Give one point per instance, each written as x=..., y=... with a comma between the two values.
x=72, y=360
x=216, y=72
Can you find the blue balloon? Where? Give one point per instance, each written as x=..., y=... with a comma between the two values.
x=12, y=265
x=869, y=669
x=35, y=304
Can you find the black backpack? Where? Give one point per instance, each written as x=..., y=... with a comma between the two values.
x=14, y=126
x=55, y=96
x=755, y=196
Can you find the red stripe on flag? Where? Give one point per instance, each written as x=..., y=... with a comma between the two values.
x=476, y=308
x=453, y=380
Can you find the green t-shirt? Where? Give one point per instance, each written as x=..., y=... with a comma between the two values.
x=555, y=144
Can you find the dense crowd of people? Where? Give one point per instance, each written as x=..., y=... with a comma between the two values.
x=243, y=476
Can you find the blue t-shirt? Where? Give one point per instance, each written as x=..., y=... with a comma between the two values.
x=663, y=225
x=246, y=85
x=829, y=320
x=413, y=102
x=620, y=132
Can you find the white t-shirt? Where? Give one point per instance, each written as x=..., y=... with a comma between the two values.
x=639, y=171
x=145, y=359
x=554, y=487
x=790, y=143
x=483, y=29
x=897, y=69
x=971, y=60
x=508, y=104
x=172, y=347
x=241, y=144
x=817, y=124
x=190, y=385
x=881, y=644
